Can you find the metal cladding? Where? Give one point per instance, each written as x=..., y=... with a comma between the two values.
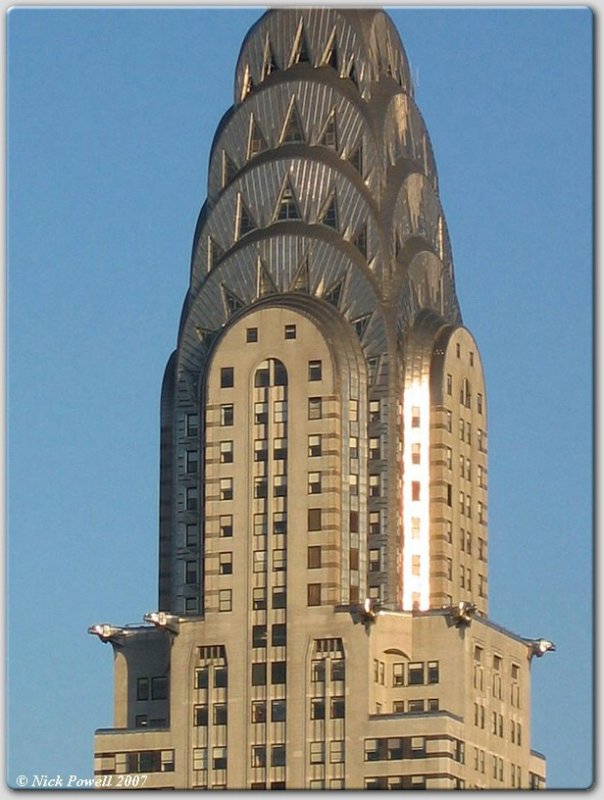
x=322, y=185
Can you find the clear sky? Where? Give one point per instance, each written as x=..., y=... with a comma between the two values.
x=111, y=114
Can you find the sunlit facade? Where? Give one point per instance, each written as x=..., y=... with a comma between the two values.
x=323, y=581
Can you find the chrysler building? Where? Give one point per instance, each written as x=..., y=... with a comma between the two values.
x=322, y=619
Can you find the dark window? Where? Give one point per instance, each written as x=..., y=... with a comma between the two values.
x=315, y=370
x=314, y=594
x=432, y=671
x=192, y=425
x=258, y=674
x=337, y=708
x=280, y=374
x=354, y=521
x=317, y=709
x=219, y=760
x=220, y=714
x=314, y=445
x=262, y=377
x=259, y=755
x=259, y=599
x=225, y=563
x=278, y=672
x=338, y=670
x=191, y=498
x=221, y=677
x=290, y=332
x=259, y=636
x=142, y=689
x=415, y=486
x=433, y=704
x=278, y=710
x=191, y=572
x=201, y=716
x=201, y=678
x=159, y=688
x=279, y=597
x=227, y=377
x=314, y=557
x=280, y=522
x=415, y=706
x=278, y=635
x=314, y=519
x=278, y=755
x=416, y=673
x=226, y=525
x=251, y=335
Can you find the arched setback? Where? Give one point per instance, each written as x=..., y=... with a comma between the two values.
x=278, y=462
x=458, y=472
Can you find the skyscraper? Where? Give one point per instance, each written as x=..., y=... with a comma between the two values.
x=323, y=617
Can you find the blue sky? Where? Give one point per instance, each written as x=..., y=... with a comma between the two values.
x=111, y=114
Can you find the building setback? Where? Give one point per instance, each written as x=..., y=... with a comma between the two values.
x=323, y=595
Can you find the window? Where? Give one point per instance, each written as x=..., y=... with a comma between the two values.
x=227, y=414
x=462, y=429
x=259, y=755
x=415, y=565
x=142, y=689
x=433, y=704
x=280, y=411
x=398, y=707
x=315, y=370
x=259, y=560
x=468, y=433
x=353, y=447
x=415, y=490
x=258, y=635
x=226, y=525
x=353, y=410
x=219, y=758
x=226, y=488
x=260, y=413
x=278, y=709
x=278, y=672
x=259, y=674
x=353, y=483
x=415, y=706
x=374, y=411
x=317, y=671
x=449, y=384
x=260, y=488
x=191, y=497
x=191, y=424
x=433, y=672
x=289, y=332
x=314, y=519
x=279, y=560
x=374, y=523
x=416, y=673
x=280, y=486
x=338, y=670
x=338, y=708
x=375, y=449
x=415, y=418
x=314, y=594
x=225, y=563
x=190, y=572
x=220, y=714
x=200, y=716
x=336, y=752
x=200, y=758
x=279, y=597
x=374, y=560
x=251, y=335
x=314, y=445
x=259, y=598
x=398, y=674
x=279, y=523
x=374, y=486
x=314, y=483
x=479, y=403
x=317, y=752
x=192, y=462
x=314, y=408
x=225, y=600
x=314, y=557
x=278, y=755
x=227, y=378
x=415, y=453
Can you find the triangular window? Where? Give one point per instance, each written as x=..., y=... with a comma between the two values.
x=330, y=213
x=245, y=221
x=269, y=65
x=287, y=207
x=215, y=252
x=292, y=130
x=231, y=301
x=300, y=52
x=301, y=281
x=353, y=75
x=360, y=325
x=229, y=169
x=329, y=136
x=204, y=335
x=248, y=83
x=330, y=56
x=372, y=369
x=334, y=294
x=264, y=282
x=356, y=158
x=257, y=141
x=360, y=240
